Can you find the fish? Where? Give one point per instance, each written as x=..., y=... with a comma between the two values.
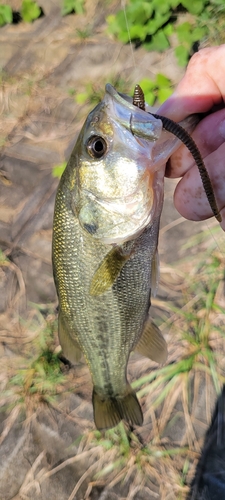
x=104, y=250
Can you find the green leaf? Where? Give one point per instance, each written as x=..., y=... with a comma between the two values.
x=147, y=85
x=58, y=170
x=117, y=26
x=150, y=98
x=169, y=29
x=159, y=42
x=198, y=34
x=30, y=11
x=6, y=15
x=194, y=7
x=72, y=6
x=81, y=98
x=139, y=13
x=162, y=80
x=162, y=6
x=182, y=55
x=174, y=3
x=164, y=93
x=184, y=32
x=138, y=31
x=155, y=24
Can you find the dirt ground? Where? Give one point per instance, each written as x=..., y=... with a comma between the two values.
x=42, y=454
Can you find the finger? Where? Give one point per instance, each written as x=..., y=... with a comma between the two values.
x=208, y=135
x=202, y=86
x=190, y=198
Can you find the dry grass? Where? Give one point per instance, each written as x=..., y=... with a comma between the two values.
x=159, y=459
x=177, y=398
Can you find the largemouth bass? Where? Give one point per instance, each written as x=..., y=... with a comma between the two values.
x=105, y=237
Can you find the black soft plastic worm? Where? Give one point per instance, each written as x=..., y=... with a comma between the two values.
x=178, y=131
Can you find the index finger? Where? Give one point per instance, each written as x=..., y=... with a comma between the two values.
x=202, y=86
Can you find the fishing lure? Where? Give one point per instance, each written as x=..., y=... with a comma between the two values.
x=183, y=135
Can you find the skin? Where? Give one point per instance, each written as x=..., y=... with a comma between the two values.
x=202, y=90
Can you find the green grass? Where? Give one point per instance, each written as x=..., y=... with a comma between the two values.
x=196, y=345
x=94, y=92
x=37, y=377
x=194, y=327
x=196, y=353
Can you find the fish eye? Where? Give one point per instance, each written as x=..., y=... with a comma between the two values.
x=96, y=146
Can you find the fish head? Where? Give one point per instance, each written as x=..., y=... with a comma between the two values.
x=118, y=169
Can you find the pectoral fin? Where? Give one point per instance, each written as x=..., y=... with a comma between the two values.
x=70, y=347
x=152, y=344
x=108, y=271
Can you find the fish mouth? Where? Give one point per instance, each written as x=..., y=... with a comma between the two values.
x=123, y=99
x=133, y=118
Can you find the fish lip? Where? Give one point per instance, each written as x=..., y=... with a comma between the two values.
x=134, y=119
x=127, y=101
x=123, y=99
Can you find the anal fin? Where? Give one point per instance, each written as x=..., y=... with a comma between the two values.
x=70, y=347
x=108, y=412
x=152, y=343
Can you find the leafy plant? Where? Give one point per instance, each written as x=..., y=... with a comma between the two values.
x=39, y=376
x=152, y=23
x=30, y=10
x=6, y=15
x=70, y=6
x=159, y=89
x=187, y=36
x=212, y=18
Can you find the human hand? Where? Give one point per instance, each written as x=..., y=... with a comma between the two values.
x=201, y=90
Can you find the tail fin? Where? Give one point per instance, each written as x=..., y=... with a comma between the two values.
x=108, y=412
